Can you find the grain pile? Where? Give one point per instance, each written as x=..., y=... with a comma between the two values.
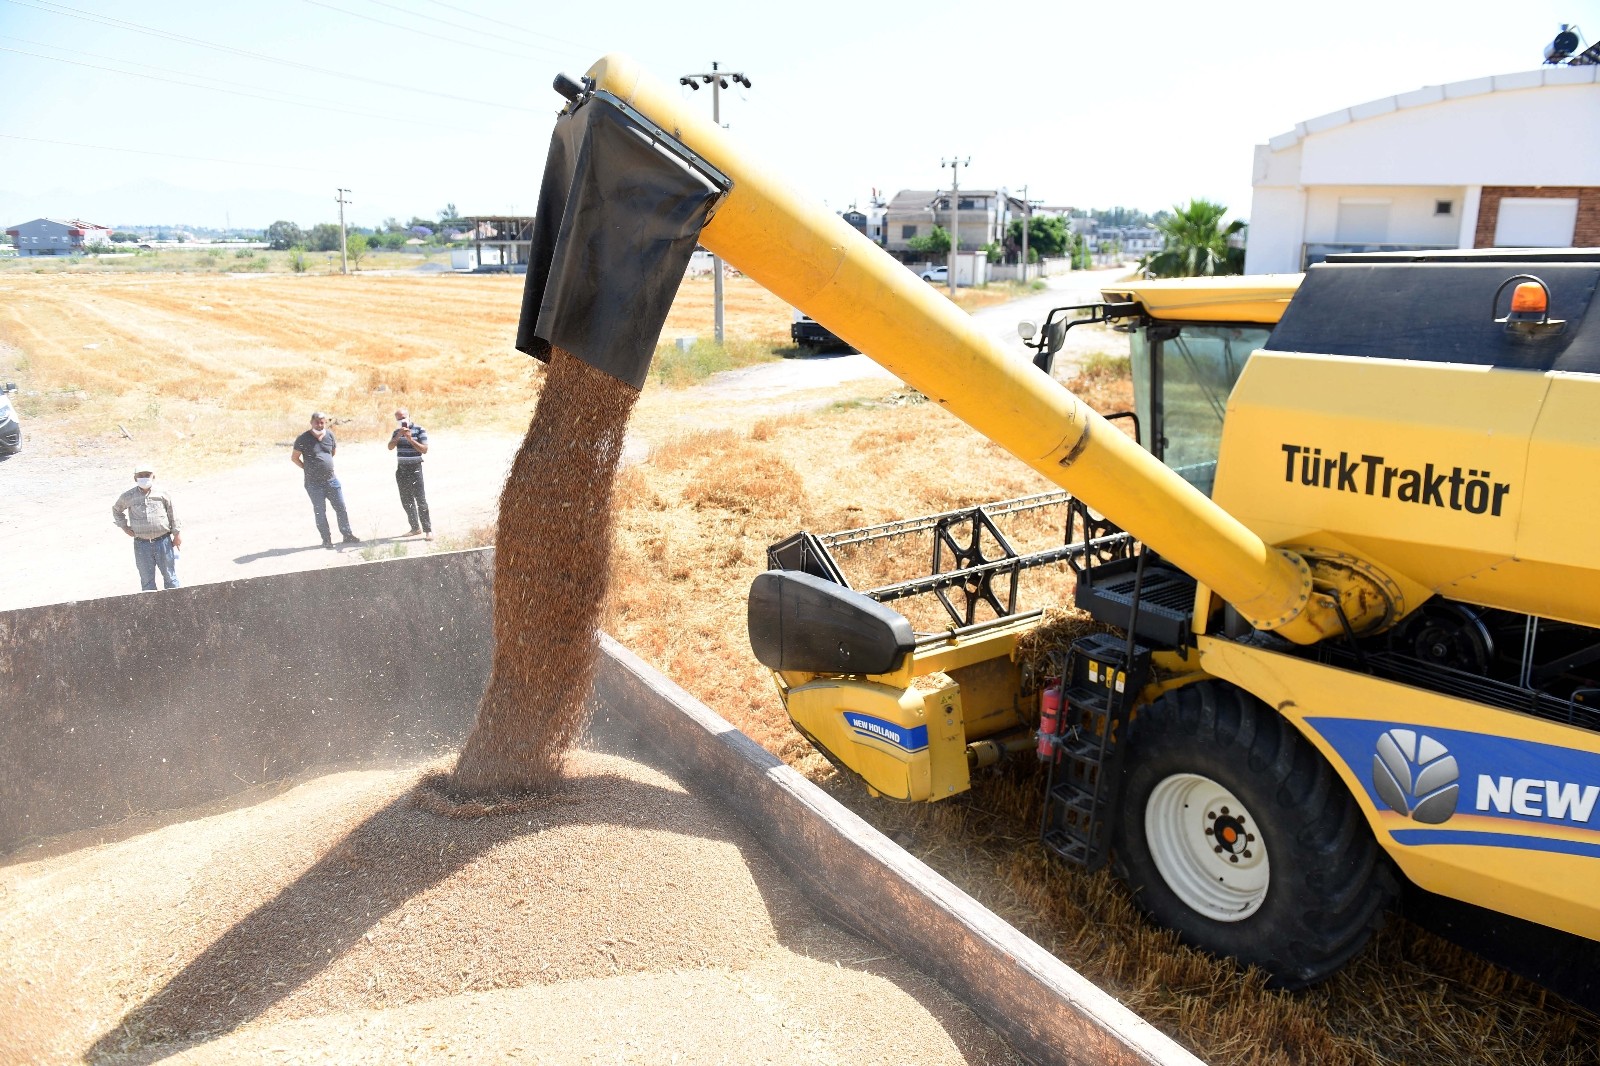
x=618, y=918
x=552, y=561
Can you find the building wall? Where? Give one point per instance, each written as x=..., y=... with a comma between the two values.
x=1473, y=134
x=978, y=225
x=46, y=236
x=1411, y=213
x=1586, y=234
x=1277, y=231
x=1473, y=142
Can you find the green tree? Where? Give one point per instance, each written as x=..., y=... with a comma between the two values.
x=356, y=247
x=281, y=235
x=123, y=236
x=934, y=245
x=324, y=237
x=297, y=259
x=1082, y=259
x=1047, y=237
x=1196, y=243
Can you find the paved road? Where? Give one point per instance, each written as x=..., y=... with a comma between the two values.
x=768, y=381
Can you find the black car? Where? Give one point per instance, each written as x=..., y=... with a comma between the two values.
x=10, y=429
x=807, y=332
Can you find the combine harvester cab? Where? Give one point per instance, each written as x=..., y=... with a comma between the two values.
x=1365, y=661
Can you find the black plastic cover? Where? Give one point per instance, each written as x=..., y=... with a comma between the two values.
x=1442, y=312
x=620, y=212
x=805, y=552
x=801, y=622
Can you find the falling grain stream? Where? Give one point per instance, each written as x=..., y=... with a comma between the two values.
x=552, y=553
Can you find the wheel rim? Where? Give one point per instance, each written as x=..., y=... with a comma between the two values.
x=1207, y=847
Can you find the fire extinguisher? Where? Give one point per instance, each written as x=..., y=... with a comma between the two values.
x=1049, y=720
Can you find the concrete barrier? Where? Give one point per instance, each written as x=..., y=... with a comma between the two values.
x=135, y=704
x=152, y=702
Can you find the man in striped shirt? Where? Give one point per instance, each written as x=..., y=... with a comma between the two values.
x=410, y=443
x=145, y=513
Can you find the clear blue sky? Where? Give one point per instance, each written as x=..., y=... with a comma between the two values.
x=1092, y=105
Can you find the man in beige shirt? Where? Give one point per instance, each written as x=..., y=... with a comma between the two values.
x=145, y=513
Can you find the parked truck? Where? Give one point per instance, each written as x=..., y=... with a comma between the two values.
x=1343, y=577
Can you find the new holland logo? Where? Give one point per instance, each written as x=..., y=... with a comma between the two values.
x=1416, y=775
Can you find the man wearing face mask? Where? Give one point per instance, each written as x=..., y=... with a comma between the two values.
x=145, y=513
x=313, y=454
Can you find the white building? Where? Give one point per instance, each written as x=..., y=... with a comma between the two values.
x=57, y=236
x=1506, y=161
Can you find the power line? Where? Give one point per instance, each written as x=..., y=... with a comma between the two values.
x=208, y=88
x=501, y=22
x=473, y=29
x=61, y=9
x=168, y=155
x=474, y=45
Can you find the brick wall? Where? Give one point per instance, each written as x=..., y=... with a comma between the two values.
x=1585, y=234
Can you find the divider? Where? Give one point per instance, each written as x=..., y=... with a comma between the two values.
x=155, y=701
x=1048, y=1011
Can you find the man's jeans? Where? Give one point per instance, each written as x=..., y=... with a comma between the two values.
x=323, y=493
x=152, y=555
x=413, y=496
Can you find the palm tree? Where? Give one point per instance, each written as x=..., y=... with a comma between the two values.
x=1197, y=243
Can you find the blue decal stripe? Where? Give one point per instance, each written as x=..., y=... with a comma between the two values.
x=908, y=738
x=1420, y=837
x=892, y=743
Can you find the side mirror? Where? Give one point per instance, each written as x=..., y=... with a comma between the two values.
x=1026, y=329
x=1055, y=336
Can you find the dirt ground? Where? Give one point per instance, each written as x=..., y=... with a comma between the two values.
x=211, y=378
x=621, y=920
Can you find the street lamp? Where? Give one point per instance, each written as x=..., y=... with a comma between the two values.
x=718, y=80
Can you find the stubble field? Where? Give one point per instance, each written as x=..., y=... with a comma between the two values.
x=213, y=366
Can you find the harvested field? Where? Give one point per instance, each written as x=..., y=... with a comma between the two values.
x=620, y=919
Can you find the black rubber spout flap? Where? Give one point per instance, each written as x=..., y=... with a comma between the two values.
x=619, y=215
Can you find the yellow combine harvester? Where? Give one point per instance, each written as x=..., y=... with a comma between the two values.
x=1349, y=563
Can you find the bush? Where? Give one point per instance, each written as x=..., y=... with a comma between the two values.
x=297, y=259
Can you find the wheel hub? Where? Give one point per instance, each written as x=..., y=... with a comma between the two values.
x=1205, y=845
x=1233, y=840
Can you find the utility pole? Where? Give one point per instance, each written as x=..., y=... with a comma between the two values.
x=718, y=80
x=1027, y=216
x=344, y=261
x=955, y=213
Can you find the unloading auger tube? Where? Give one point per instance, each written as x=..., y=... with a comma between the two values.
x=815, y=261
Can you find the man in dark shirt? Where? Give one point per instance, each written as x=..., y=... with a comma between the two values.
x=313, y=453
x=410, y=443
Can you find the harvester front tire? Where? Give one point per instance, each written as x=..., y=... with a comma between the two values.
x=1238, y=835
